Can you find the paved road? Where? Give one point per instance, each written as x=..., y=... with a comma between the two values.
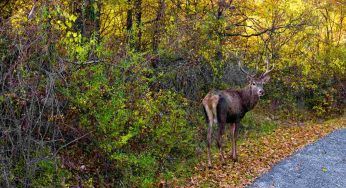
x=319, y=165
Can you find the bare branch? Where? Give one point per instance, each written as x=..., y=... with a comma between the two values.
x=32, y=10
x=71, y=142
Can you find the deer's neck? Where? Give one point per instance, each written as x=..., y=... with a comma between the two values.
x=249, y=98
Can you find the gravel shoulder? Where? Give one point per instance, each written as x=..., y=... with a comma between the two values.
x=321, y=164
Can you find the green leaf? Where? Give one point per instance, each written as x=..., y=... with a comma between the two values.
x=324, y=169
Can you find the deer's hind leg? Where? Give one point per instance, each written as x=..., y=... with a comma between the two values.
x=209, y=117
x=219, y=141
x=215, y=100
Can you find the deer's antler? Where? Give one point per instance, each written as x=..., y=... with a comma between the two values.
x=243, y=70
x=268, y=70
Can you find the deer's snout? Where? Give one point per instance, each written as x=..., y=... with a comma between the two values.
x=261, y=92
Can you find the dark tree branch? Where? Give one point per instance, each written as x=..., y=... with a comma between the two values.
x=272, y=29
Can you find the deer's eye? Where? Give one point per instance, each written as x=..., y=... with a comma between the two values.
x=253, y=83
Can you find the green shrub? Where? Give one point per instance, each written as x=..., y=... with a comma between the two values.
x=257, y=124
x=145, y=131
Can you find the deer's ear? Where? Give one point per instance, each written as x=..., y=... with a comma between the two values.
x=265, y=79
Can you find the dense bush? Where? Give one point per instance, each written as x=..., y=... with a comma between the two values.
x=29, y=110
x=144, y=130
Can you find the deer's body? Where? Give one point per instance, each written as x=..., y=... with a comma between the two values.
x=233, y=104
x=228, y=107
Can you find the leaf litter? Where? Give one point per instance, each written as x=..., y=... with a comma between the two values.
x=257, y=156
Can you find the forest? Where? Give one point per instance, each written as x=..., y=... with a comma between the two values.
x=109, y=93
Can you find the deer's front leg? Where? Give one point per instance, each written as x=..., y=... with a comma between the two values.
x=234, y=140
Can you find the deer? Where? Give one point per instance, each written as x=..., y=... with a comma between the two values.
x=229, y=106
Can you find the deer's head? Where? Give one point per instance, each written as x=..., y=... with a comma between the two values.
x=256, y=82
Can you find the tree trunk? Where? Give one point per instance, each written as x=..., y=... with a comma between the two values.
x=158, y=25
x=97, y=21
x=138, y=12
x=221, y=4
x=129, y=24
